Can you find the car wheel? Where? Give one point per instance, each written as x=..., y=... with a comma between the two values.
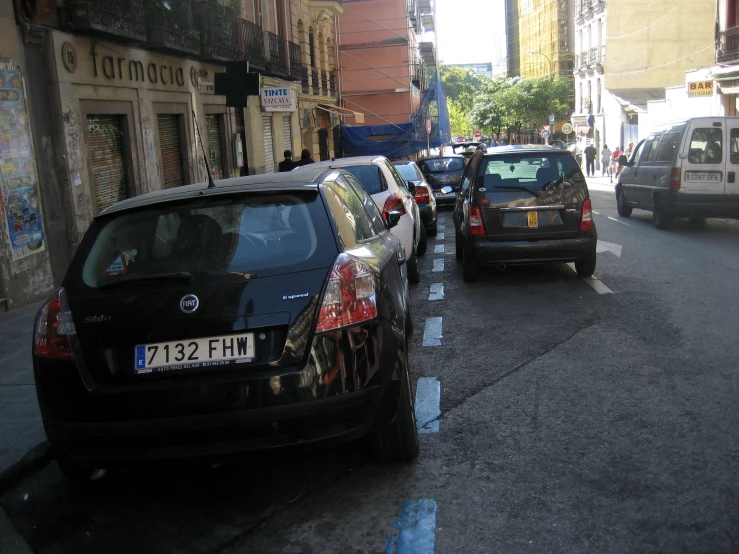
x=432, y=231
x=621, y=207
x=414, y=275
x=72, y=470
x=398, y=442
x=471, y=271
x=586, y=267
x=422, y=242
x=660, y=219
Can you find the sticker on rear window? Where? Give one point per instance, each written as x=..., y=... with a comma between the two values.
x=119, y=265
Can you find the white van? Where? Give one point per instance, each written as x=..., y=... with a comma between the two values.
x=684, y=169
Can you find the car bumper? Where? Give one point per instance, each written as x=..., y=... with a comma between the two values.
x=428, y=215
x=485, y=252
x=446, y=200
x=333, y=398
x=720, y=206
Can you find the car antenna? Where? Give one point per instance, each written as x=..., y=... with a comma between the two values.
x=211, y=183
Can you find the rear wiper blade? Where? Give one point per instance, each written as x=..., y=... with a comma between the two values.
x=178, y=276
x=513, y=187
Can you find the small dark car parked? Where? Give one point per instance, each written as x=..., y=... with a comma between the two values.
x=423, y=194
x=522, y=205
x=199, y=322
x=444, y=175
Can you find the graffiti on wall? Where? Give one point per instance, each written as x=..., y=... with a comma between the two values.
x=21, y=205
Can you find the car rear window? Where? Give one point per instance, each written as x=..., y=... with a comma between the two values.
x=440, y=165
x=254, y=234
x=535, y=171
x=369, y=176
x=409, y=172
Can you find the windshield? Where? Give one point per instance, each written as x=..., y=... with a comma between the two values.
x=249, y=235
x=532, y=171
x=440, y=165
x=409, y=172
x=368, y=175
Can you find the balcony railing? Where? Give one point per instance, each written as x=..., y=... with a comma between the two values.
x=584, y=58
x=594, y=58
x=315, y=80
x=728, y=50
x=276, y=54
x=171, y=28
x=252, y=43
x=332, y=80
x=296, y=63
x=418, y=76
x=218, y=31
x=305, y=81
x=324, y=82
x=120, y=19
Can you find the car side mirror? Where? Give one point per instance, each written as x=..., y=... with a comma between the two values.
x=393, y=218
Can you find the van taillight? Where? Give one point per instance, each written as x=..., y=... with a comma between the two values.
x=53, y=328
x=675, y=178
x=422, y=195
x=350, y=296
x=475, y=226
x=394, y=203
x=586, y=219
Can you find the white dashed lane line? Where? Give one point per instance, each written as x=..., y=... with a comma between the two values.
x=438, y=265
x=432, y=333
x=596, y=213
x=594, y=283
x=619, y=221
x=436, y=292
x=428, y=404
x=439, y=249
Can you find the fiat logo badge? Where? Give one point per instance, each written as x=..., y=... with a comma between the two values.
x=189, y=303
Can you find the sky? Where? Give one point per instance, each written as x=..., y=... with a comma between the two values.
x=471, y=31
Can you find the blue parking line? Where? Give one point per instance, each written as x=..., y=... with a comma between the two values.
x=428, y=405
x=436, y=292
x=438, y=249
x=438, y=265
x=432, y=332
x=439, y=236
x=417, y=526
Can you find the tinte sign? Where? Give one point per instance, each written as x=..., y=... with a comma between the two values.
x=278, y=99
x=700, y=88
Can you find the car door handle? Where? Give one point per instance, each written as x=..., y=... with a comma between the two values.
x=731, y=177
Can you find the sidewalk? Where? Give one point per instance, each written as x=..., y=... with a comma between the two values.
x=22, y=438
x=602, y=184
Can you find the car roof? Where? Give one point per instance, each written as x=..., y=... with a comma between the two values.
x=278, y=182
x=520, y=148
x=340, y=162
x=403, y=162
x=440, y=157
x=472, y=143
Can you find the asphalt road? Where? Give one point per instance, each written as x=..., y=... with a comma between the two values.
x=571, y=421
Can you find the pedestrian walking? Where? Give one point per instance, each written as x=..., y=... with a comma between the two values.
x=605, y=160
x=305, y=158
x=622, y=162
x=590, y=153
x=614, y=162
x=629, y=150
x=287, y=164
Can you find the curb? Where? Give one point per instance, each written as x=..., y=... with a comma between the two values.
x=36, y=458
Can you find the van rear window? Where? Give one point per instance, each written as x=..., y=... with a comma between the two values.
x=249, y=234
x=533, y=171
x=706, y=146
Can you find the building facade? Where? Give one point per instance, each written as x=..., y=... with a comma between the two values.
x=627, y=54
x=125, y=95
x=387, y=53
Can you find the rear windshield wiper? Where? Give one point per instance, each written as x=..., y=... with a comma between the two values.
x=513, y=187
x=178, y=276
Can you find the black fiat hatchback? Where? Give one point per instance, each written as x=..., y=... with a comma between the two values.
x=200, y=322
x=524, y=204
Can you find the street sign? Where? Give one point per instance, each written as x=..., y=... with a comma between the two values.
x=566, y=128
x=552, y=119
x=427, y=126
x=478, y=134
x=545, y=134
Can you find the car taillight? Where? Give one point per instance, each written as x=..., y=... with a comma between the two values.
x=394, y=203
x=675, y=178
x=586, y=219
x=350, y=295
x=54, y=326
x=422, y=195
x=475, y=226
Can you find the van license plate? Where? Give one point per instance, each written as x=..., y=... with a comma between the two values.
x=192, y=353
x=533, y=219
x=703, y=176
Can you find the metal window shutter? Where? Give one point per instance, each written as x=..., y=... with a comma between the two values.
x=170, y=145
x=287, y=132
x=108, y=163
x=214, y=146
x=269, y=156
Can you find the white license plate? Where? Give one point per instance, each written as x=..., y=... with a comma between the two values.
x=192, y=353
x=702, y=177
x=441, y=194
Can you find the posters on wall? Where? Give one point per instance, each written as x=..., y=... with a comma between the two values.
x=19, y=198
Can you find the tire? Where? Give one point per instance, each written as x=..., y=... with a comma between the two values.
x=414, y=275
x=457, y=247
x=586, y=267
x=471, y=271
x=398, y=442
x=408, y=317
x=422, y=242
x=621, y=207
x=432, y=232
x=660, y=219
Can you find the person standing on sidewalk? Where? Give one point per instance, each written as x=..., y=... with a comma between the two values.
x=605, y=160
x=590, y=153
